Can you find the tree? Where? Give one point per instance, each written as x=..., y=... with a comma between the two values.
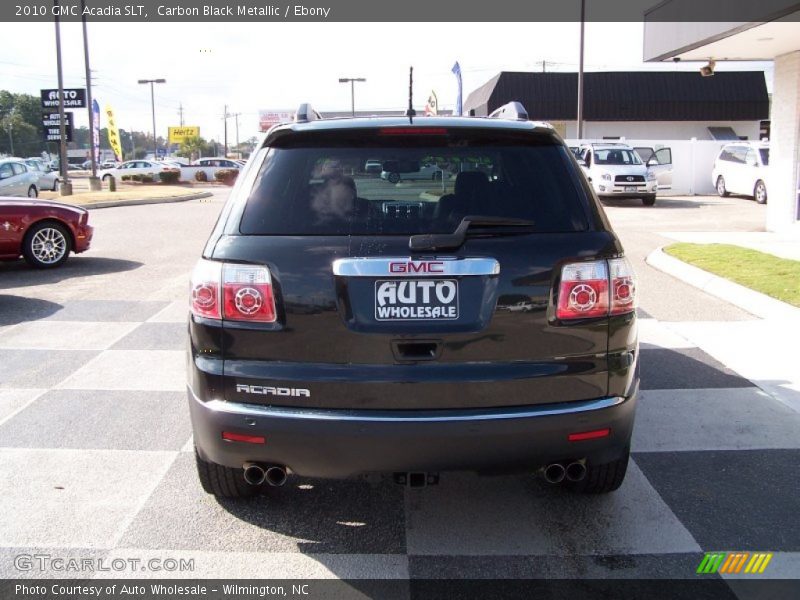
x=192, y=147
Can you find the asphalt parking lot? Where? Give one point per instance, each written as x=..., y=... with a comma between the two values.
x=95, y=441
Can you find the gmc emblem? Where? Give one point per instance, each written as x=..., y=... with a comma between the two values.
x=416, y=267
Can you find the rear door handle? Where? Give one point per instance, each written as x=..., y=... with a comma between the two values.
x=416, y=350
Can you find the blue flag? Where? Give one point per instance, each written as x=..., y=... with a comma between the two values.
x=457, y=71
x=96, y=124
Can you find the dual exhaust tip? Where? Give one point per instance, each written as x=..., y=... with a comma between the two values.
x=256, y=474
x=558, y=472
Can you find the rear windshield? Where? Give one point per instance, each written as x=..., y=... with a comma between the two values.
x=325, y=185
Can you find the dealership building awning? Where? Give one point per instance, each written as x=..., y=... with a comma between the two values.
x=774, y=35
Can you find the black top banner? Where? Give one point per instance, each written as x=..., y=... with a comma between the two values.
x=405, y=11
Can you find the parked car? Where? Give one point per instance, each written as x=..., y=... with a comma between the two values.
x=48, y=180
x=741, y=168
x=615, y=170
x=136, y=167
x=396, y=171
x=339, y=328
x=211, y=165
x=43, y=233
x=373, y=166
x=17, y=179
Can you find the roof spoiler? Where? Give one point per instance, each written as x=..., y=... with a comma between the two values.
x=305, y=112
x=512, y=110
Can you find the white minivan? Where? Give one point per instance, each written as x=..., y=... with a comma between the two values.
x=741, y=168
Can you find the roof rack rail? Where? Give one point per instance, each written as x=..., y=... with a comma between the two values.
x=512, y=110
x=305, y=112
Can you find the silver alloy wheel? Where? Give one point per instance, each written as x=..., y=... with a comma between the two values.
x=48, y=245
x=32, y=192
x=761, y=192
x=720, y=186
x=56, y=185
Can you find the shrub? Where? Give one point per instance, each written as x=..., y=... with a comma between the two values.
x=168, y=177
x=136, y=177
x=125, y=178
x=226, y=176
x=201, y=176
x=149, y=178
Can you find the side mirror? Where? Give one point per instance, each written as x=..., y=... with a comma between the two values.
x=653, y=162
x=581, y=162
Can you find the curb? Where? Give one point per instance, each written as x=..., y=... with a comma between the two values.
x=755, y=303
x=164, y=200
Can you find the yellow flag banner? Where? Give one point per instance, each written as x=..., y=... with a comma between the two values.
x=113, y=133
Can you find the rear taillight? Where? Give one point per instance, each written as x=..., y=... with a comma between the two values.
x=623, y=286
x=232, y=292
x=596, y=289
x=247, y=292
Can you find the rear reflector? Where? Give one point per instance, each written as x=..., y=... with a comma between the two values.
x=238, y=437
x=412, y=131
x=589, y=435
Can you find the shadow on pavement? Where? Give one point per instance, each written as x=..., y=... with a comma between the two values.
x=665, y=202
x=17, y=309
x=19, y=274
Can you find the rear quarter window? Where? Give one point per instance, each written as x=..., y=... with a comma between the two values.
x=319, y=185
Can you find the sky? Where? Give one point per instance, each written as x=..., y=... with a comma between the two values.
x=253, y=66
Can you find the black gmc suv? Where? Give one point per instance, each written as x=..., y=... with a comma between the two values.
x=474, y=312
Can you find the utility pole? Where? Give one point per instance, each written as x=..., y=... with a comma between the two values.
x=153, y=106
x=236, y=117
x=352, y=81
x=580, y=73
x=66, y=186
x=11, y=130
x=180, y=113
x=225, y=119
x=94, y=182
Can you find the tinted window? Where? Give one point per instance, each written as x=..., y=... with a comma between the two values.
x=616, y=156
x=426, y=185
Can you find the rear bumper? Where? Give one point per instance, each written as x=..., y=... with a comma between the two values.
x=342, y=443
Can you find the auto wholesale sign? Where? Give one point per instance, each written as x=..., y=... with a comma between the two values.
x=51, y=124
x=73, y=98
x=269, y=118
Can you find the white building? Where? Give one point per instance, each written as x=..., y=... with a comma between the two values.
x=635, y=105
x=774, y=36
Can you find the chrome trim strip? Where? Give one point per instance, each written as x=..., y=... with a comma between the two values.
x=377, y=416
x=445, y=265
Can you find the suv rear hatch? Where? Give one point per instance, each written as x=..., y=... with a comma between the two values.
x=363, y=321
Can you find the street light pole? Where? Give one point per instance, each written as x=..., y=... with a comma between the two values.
x=352, y=81
x=153, y=107
x=94, y=182
x=580, y=73
x=66, y=186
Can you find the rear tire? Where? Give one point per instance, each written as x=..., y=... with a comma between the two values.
x=602, y=479
x=223, y=482
x=33, y=192
x=649, y=200
x=760, y=192
x=393, y=177
x=722, y=191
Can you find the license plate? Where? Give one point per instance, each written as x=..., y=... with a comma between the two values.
x=416, y=299
x=631, y=188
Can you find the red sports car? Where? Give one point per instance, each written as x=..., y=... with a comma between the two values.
x=44, y=233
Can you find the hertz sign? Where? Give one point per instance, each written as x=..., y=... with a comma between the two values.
x=178, y=134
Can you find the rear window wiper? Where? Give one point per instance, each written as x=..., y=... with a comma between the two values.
x=451, y=241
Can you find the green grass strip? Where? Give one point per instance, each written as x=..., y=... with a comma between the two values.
x=765, y=273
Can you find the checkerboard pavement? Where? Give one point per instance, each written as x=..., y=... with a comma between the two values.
x=96, y=461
